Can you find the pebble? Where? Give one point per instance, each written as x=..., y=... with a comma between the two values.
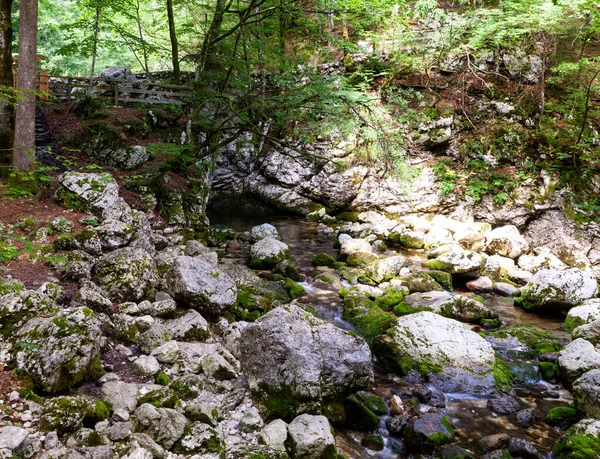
x=13, y=396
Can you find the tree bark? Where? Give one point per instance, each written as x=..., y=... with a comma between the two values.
x=96, y=32
x=7, y=118
x=24, y=153
x=174, y=44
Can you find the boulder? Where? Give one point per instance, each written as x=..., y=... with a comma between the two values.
x=585, y=313
x=61, y=351
x=164, y=425
x=13, y=438
x=200, y=439
x=120, y=395
x=589, y=332
x=268, y=253
x=462, y=264
x=200, y=285
x=190, y=326
x=421, y=281
x=579, y=357
x=352, y=246
x=69, y=413
x=554, y=289
x=311, y=437
x=543, y=259
x=114, y=234
x=498, y=267
x=453, y=357
x=296, y=363
x=260, y=232
x=586, y=394
x=87, y=192
x=386, y=269
x=127, y=274
x=275, y=434
x=427, y=432
x=580, y=441
x=128, y=158
x=506, y=241
x=447, y=304
x=370, y=321
x=17, y=308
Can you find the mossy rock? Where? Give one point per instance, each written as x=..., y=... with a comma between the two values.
x=323, y=259
x=162, y=378
x=359, y=416
x=443, y=278
x=407, y=240
x=579, y=442
x=69, y=413
x=199, y=438
x=537, y=340
x=370, y=321
x=390, y=299
x=562, y=416
x=503, y=377
x=348, y=216
x=188, y=387
x=375, y=403
x=549, y=370
x=428, y=432
x=161, y=398
x=361, y=259
x=293, y=289
x=421, y=281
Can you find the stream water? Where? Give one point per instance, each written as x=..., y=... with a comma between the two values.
x=469, y=415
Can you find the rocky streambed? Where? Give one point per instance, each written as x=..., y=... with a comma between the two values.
x=417, y=336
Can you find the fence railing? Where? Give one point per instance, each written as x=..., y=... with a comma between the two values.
x=118, y=91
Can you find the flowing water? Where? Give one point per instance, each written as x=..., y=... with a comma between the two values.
x=469, y=415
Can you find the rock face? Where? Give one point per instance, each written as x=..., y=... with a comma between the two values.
x=60, y=351
x=586, y=312
x=127, y=274
x=580, y=441
x=200, y=285
x=549, y=288
x=296, y=363
x=87, y=192
x=268, y=253
x=164, y=425
x=507, y=242
x=586, y=393
x=579, y=357
x=311, y=437
x=453, y=357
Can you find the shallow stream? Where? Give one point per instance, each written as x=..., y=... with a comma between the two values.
x=470, y=417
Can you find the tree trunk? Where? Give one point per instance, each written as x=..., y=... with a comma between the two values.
x=6, y=80
x=95, y=46
x=24, y=153
x=141, y=34
x=174, y=45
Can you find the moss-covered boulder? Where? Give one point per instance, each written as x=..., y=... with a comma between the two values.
x=369, y=320
x=551, y=289
x=538, y=341
x=359, y=416
x=323, y=259
x=464, y=264
x=386, y=269
x=582, y=441
x=427, y=432
x=562, y=416
x=268, y=253
x=127, y=274
x=296, y=363
x=587, y=312
x=408, y=239
x=463, y=308
x=421, y=281
x=87, y=192
x=69, y=413
x=311, y=437
x=452, y=357
x=61, y=351
x=18, y=307
x=199, y=438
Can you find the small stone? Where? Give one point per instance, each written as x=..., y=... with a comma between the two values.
x=51, y=440
x=505, y=404
x=215, y=366
x=526, y=418
x=12, y=438
x=146, y=365
x=14, y=396
x=275, y=434
x=396, y=406
x=251, y=422
x=26, y=416
x=120, y=415
x=108, y=377
x=494, y=442
x=119, y=431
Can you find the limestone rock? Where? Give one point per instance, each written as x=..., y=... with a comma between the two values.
x=127, y=274
x=311, y=437
x=262, y=231
x=295, y=362
x=451, y=355
x=87, y=192
x=507, y=242
x=386, y=269
x=586, y=312
x=268, y=253
x=200, y=285
x=163, y=425
x=586, y=394
x=464, y=263
x=579, y=440
x=61, y=351
x=550, y=288
x=577, y=358
x=120, y=395
x=449, y=305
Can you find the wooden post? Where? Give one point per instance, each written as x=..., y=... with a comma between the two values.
x=44, y=85
x=116, y=94
x=69, y=89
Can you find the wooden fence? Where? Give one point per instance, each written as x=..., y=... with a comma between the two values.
x=118, y=91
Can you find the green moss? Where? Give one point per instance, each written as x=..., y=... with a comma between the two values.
x=343, y=292
x=406, y=240
x=161, y=398
x=390, y=299
x=348, y=216
x=537, y=340
x=549, y=370
x=502, y=375
x=572, y=322
x=361, y=259
x=96, y=412
x=162, y=378
x=366, y=281
x=443, y=278
x=576, y=446
x=435, y=265
x=359, y=416
x=292, y=288
x=338, y=265
x=375, y=403
x=94, y=439
x=187, y=388
x=561, y=415
x=404, y=309
x=369, y=320
x=323, y=259
x=442, y=437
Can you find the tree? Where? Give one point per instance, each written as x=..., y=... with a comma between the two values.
x=6, y=81
x=174, y=45
x=23, y=155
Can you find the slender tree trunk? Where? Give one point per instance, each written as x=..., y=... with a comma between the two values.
x=95, y=46
x=141, y=34
x=174, y=44
x=24, y=153
x=7, y=118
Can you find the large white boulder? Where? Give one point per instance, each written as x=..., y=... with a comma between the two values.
x=506, y=241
